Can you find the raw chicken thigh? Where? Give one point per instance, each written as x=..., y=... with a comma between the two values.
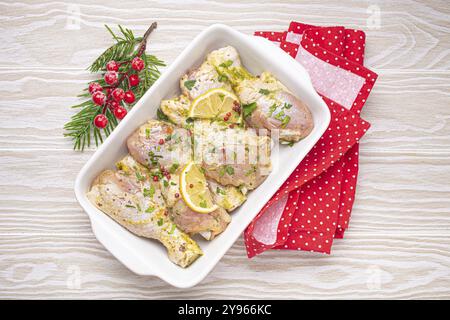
x=130, y=198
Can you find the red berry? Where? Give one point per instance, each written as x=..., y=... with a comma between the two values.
x=112, y=66
x=129, y=97
x=155, y=178
x=120, y=112
x=134, y=80
x=161, y=141
x=100, y=121
x=118, y=94
x=113, y=104
x=111, y=77
x=137, y=64
x=99, y=98
x=94, y=87
x=226, y=118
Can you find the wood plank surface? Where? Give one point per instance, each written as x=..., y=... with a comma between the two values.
x=399, y=237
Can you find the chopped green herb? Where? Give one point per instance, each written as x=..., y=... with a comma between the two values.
x=150, y=209
x=272, y=109
x=226, y=64
x=138, y=207
x=251, y=171
x=220, y=191
x=222, y=78
x=229, y=170
x=264, y=91
x=166, y=183
x=153, y=158
x=160, y=222
x=147, y=133
x=287, y=105
x=285, y=121
x=290, y=143
x=130, y=206
x=173, y=183
x=189, y=84
x=173, y=168
x=248, y=109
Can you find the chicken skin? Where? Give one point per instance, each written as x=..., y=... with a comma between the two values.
x=134, y=201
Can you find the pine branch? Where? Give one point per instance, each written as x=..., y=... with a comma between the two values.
x=80, y=128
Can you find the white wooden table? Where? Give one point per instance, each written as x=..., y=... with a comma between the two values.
x=399, y=240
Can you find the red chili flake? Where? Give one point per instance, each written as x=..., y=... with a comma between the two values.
x=228, y=114
x=161, y=141
x=177, y=195
x=231, y=126
x=168, y=176
x=155, y=178
x=191, y=185
x=226, y=118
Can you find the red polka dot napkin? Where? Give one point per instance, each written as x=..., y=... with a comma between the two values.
x=314, y=204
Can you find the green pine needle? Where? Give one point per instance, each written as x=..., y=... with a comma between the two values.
x=81, y=128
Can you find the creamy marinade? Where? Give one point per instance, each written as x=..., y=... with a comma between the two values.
x=189, y=169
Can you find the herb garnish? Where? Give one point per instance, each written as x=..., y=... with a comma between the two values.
x=172, y=229
x=226, y=64
x=203, y=204
x=149, y=192
x=229, y=170
x=161, y=115
x=264, y=91
x=139, y=176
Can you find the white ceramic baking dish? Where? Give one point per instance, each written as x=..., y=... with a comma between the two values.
x=148, y=257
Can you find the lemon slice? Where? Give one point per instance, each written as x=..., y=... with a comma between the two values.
x=194, y=189
x=217, y=104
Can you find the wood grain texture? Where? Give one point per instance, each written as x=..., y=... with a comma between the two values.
x=399, y=239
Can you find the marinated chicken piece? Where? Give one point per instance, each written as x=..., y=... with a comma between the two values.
x=159, y=144
x=228, y=197
x=130, y=198
x=208, y=225
x=176, y=109
x=267, y=102
x=232, y=156
x=198, y=81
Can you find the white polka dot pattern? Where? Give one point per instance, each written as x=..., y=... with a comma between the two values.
x=320, y=192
